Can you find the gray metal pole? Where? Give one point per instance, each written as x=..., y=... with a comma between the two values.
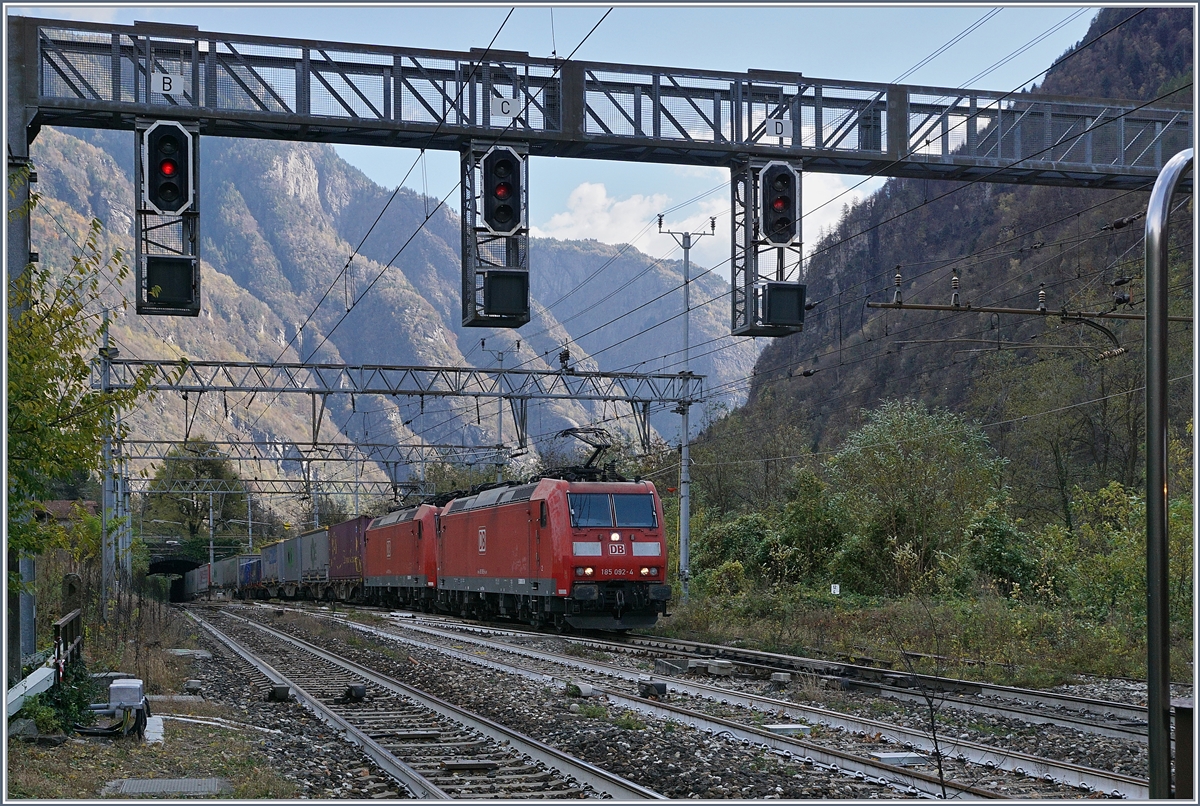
x=685, y=458
x=106, y=559
x=684, y=239
x=1158, y=648
x=250, y=520
x=210, y=535
x=500, y=430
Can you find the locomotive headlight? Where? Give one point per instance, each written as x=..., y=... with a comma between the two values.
x=579, y=570
x=645, y=572
x=587, y=572
x=653, y=571
x=615, y=536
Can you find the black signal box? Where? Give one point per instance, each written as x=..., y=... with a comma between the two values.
x=783, y=305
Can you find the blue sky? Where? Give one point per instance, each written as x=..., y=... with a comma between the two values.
x=614, y=201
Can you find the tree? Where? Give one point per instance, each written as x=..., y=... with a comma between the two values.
x=908, y=480
x=57, y=422
x=180, y=500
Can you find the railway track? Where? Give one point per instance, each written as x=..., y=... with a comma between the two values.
x=435, y=749
x=1101, y=717
x=969, y=760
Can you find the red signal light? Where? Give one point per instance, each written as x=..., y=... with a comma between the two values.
x=503, y=190
x=168, y=168
x=779, y=204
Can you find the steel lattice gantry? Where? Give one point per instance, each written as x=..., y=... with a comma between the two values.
x=64, y=73
x=276, y=451
x=285, y=487
x=321, y=380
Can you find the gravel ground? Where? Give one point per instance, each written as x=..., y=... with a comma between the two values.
x=675, y=760
x=322, y=762
x=704, y=766
x=1045, y=740
x=678, y=761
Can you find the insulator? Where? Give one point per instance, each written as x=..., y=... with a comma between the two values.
x=1042, y=301
x=896, y=298
x=954, y=291
x=1120, y=298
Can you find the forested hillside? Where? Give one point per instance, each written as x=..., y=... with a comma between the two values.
x=1064, y=416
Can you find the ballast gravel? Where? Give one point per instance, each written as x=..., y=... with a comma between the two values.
x=675, y=760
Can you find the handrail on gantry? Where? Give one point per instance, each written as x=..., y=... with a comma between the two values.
x=69, y=73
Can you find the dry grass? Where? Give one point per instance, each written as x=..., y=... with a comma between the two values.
x=1002, y=641
x=81, y=768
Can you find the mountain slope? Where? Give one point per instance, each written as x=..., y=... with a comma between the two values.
x=278, y=222
x=1005, y=244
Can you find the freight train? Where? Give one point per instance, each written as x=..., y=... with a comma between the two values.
x=555, y=552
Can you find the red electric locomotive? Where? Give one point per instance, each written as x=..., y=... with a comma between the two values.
x=589, y=554
x=399, y=558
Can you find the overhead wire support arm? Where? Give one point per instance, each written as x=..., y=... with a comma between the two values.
x=968, y=308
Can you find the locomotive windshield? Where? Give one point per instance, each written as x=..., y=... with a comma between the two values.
x=597, y=509
x=635, y=510
x=590, y=509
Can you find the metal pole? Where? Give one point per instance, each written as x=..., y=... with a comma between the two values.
x=1158, y=646
x=685, y=458
x=500, y=430
x=210, y=533
x=249, y=524
x=106, y=563
x=684, y=239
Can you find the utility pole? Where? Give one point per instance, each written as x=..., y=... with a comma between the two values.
x=684, y=239
x=499, y=411
x=107, y=353
x=210, y=530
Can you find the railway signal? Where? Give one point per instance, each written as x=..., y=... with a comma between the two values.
x=503, y=211
x=167, y=168
x=779, y=203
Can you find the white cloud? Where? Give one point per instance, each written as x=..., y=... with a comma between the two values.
x=592, y=213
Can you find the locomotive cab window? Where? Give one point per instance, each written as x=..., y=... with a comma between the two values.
x=590, y=510
x=635, y=510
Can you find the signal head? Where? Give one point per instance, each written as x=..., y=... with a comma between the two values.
x=503, y=202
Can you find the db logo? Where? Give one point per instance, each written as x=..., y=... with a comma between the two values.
x=616, y=548
x=482, y=540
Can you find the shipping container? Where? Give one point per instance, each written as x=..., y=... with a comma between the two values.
x=314, y=556
x=270, y=571
x=224, y=573
x=289, y=560
x=346, y=549
x=249, y=570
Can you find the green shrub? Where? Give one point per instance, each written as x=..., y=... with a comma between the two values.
x=999, y=550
